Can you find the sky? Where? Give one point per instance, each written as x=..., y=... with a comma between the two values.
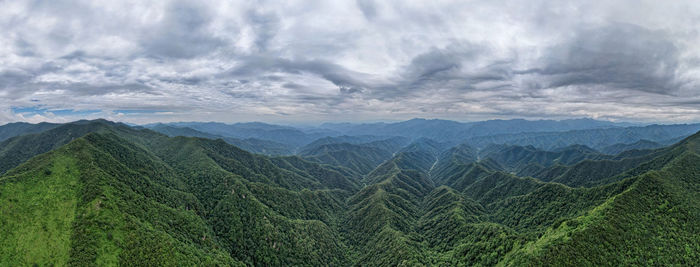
x=307, y=61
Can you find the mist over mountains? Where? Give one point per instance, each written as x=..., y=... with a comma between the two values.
x=419, y=192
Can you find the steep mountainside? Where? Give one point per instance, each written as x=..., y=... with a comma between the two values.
x=652, y=222
x=359, y=158
x=391, y=144
x=102, y=193
x=639, y=145
x=21, y=148
x=109, y=195
x=515, y=158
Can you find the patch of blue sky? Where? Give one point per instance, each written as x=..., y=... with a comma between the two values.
x=61, y=112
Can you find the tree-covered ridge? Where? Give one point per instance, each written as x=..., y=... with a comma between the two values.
x=253, y=145
x=639, y=145
x=652, y=222
x=359, y=158
x=99, y=193
x=130, y=196
x=20, y=128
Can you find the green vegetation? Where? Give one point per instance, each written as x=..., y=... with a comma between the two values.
x=361, y=159
x=100, y=193
x=49, y=191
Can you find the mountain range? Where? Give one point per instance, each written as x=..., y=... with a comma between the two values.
x=414, y=193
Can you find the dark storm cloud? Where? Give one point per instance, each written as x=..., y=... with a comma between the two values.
x=368, y=8
x=182, y=33
x=621, y=56
x=265, y=26
x=346, y=80
x=457, y=67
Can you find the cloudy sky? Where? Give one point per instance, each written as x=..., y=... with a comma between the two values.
x=365, y=60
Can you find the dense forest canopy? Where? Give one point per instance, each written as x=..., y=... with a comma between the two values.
x=103, y=193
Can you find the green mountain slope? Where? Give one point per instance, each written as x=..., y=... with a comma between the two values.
x=517, y=158
x=359, y=158
x=98, y=210
x=249, y=144
x=18, y=149
x=121, y=195
x=381, y=216
x=100, y=193
x=639, y=145
x=653, y=222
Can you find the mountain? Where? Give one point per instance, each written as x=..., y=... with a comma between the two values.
x=515, y=126
x=639, y=145
x=542, y=134
x=359, y=158
x=280, y=134
x=121, y=196
x=426, y=145
x=594, y=138
x=180, y=131
x=391, y=144
x=381, y=216
x=249, y=144
x=19, y=128
x=104, y=193
x=446, y=130
x=516, y=158
x=18, y=149
x=260, y=146
x=450, y=161
x=653, y=221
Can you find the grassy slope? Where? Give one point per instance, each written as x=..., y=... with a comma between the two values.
x=38, y=208
x=121, y=204
x=136, y=197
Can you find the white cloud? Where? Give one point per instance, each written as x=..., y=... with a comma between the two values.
x=343, y=60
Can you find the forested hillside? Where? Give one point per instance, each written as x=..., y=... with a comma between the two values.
x=102, y=193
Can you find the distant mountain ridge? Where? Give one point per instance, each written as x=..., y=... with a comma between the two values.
x=250, y=144
x=449, y=130
x=19, y=128
x=549, y=135
x=544, y=134
x=594, y=138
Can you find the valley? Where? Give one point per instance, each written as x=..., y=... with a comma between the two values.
x=106, y=193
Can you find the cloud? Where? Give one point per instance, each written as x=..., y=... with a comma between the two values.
x=458, y=67
x=183, y=32
x=618, y=56
x=368, y=8
x=265, y=27
x=338, y=60
x=347, y=81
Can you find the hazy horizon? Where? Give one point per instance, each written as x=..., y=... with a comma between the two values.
x=319, y=124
